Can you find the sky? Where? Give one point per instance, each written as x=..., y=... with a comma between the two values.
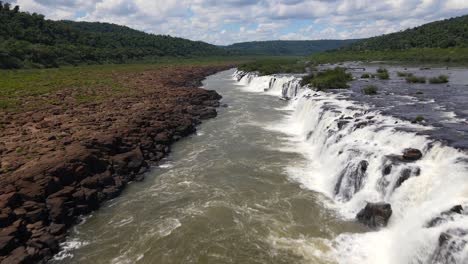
x=223, y=22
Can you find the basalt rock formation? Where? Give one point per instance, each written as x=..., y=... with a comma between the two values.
x=57, y=164
x=375, y=215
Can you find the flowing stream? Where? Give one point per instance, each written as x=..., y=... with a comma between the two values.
x=281, y=181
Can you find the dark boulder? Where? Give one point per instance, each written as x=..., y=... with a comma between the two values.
x=375, y=215
x=128, y=162
x=19, y=255
x=412, y=154
x=7, y=244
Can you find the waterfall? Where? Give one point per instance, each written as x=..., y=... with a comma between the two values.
x=355, y=157
x=286, y=87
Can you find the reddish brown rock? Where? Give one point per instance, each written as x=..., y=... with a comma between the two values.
x=61, y=162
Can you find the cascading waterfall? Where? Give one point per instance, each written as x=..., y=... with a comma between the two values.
x=355, y=157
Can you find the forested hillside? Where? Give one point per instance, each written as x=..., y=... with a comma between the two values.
x=31, y=41
x=286, y=47
x=447, y=33
x=441, y=41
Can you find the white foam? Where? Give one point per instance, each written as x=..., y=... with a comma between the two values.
x=312, y=124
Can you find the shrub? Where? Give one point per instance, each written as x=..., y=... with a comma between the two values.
x=439, y=79
x=418, y=119
x=404, y=74
x=307, y=79
x=382, y=70
x=365, y=76
x=382, y=74
x=370, y=90
x=415, y=79
x=336, y=78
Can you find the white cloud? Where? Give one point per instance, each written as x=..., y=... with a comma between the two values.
x=228, y=21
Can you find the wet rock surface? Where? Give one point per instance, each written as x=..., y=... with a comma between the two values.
x=446, y=216
x=57, y=164
x=451, y=243
x=375, y=215
x=411, y=154
x=351, y=180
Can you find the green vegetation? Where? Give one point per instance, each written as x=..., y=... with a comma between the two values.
x=443, y=34
x=439, y=79
x=418, y=119
x=441, y=41
x=307, y=79
x=415, y=79
x=404, y=74
x=365, y=76
x=419, y=92
x=336, y=78
x=18, y=87
x=382, y=74
x=274, y=65
x=370, y=90
x=415, y=55
x=286, y=47
x=30, y=41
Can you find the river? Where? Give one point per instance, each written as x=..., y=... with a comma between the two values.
x=258, y=184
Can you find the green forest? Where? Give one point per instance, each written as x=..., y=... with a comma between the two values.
x=446, y=33
x=31, y=41
x=286, y=47
x=441, y=41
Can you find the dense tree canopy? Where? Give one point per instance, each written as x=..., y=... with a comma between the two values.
x=29, y=40
x=286, y=47
x=447, y=33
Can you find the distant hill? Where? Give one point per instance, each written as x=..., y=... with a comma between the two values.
x=446, y=33
x=29, y=40
x=286, y=47
x=441, y=41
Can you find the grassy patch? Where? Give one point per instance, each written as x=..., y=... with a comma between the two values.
x=20, y=86
x=336, y=78
x=274, y=65
x=415, y=55
x=439, y=79
x=404, y=74
x=370, y=90
x=415, y=79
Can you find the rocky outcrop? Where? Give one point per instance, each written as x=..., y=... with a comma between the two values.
x=446, y=216
x=375, y=215
x=351, y=180
x=412, y=154
x=451, y=243
x=74, y=158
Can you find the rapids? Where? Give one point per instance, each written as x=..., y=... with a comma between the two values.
x=351, y=150
x=281, y=181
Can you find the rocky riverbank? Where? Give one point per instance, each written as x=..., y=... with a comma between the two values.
x=62, y=162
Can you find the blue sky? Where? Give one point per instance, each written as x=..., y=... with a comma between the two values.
x=229, y=21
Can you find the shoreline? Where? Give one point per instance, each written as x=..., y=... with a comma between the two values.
x=89, y=153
